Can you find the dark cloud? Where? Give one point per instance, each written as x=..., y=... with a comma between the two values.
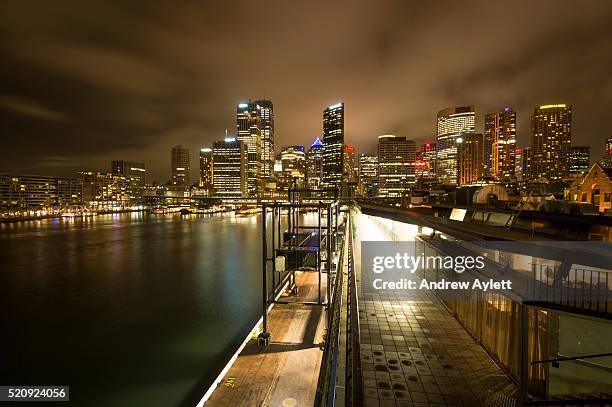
x=87, y=82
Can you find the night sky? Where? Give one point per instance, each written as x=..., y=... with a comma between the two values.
x=84, y=82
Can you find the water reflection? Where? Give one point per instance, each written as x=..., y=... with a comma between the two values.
x=142, y=305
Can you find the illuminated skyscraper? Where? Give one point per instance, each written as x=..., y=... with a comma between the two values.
x=314, y=164
x=551, y=141
x=248, y=124
x=580, y=159
x=368, y=175
x=206, y=171
x=333, y=138
x=452, y=123
x=266, y=115
x=293, y=161
x=396, y=157
x=606, y=162
x=470, y=152
x=500, y=131
x=180, y=167
x=230, y=168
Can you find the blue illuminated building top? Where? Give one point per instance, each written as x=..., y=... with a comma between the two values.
x=317, y=143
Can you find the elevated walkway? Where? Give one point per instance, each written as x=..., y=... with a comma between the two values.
x=414, y=352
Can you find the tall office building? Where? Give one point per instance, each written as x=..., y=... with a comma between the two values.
x=526, y=172
x=180, y=167
x=266, y=123
x=314, y=164
x=248, y=125
x=368, y=175
x=606, y=161
x=580, y=159
x=135, y=173
x=206, y=171
x=425, y=166
x=470, y=162
x=396, y=157
x=333, y=139
x=500, y=131
x=452, y=123
x=230, y=168
x=551, y=141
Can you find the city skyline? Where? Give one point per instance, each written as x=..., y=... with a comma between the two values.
x=71, y=104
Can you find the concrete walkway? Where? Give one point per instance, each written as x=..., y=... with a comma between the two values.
x=285, y=374
x=413, y=351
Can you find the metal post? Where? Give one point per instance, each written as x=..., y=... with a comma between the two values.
x=264, y=337
x=329, y=260
x=273, y=252
x=319, y=255
x=524, y=353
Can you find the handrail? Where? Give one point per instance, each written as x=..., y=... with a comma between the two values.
x=326, y=385
x=565, y=358
x=354, y=384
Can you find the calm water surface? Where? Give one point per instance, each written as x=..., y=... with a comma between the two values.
x=130, y=309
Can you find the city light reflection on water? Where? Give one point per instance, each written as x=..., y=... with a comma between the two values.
x=142, y=306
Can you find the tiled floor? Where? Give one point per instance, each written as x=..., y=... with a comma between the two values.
x=415, y=353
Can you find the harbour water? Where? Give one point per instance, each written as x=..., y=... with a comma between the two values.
x=128, y=309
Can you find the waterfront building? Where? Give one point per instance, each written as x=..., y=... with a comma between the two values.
x=551, y=141
x=105, y=190
x=314, y=164
x=333, y=139
x=206, y=172
x=230, y=168
x=368, y=175
x=248, y=125
x=580, y=160
x=396, y=157
x=180, y=167
x=452, y=123
x=135, y=173
x=470, y=162
x=500, y=144
x=293, y=162
x=19, y=192
x=606, y=161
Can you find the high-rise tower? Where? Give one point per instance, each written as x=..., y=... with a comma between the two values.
x=500, y=131
x=452, y=123
x=248, y=125
x=551, y=141
x=333, y=139
x=266, y=130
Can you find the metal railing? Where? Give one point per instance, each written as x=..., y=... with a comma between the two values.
x=326, y=386
x=354, y=383
x=582, y=289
